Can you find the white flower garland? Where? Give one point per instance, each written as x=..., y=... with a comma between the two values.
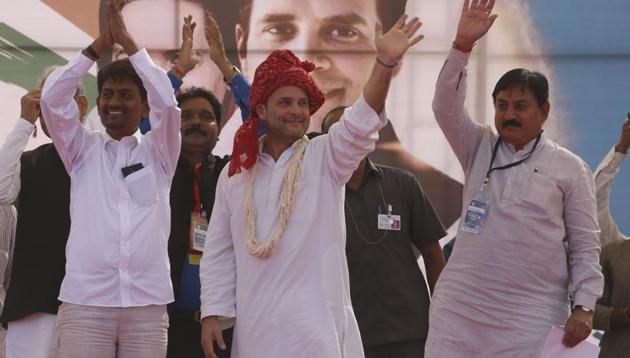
x=289, y=186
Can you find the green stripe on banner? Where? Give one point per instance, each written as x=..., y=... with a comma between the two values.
x=22, y=61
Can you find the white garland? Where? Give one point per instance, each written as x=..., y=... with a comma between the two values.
x=289, y=187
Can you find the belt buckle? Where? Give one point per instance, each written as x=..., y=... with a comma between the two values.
x=197, y=316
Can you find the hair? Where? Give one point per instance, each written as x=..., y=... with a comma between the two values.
x=40, y=82
x=120, y=70
x=325, y=126
x=536, y=82
x=388, y=12
x=199, y=92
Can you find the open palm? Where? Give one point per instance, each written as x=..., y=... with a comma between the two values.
x=475, y=21
x=392, y=45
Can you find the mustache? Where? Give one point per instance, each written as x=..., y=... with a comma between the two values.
x=195, y=129
x=511, y=122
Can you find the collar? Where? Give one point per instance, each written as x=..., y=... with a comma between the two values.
x=528, y=147
x=372, y=168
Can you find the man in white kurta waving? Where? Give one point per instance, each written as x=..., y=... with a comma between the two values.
x=274, y=262
x=528, y=236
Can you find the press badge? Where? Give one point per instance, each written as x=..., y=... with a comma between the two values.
x=198, y=231
x=475, y=216
x=389, y=222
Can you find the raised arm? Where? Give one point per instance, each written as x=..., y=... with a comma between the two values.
x=462, y=133
x=14, y=145
x=604, y=177
x=238, y=84
x=355, y=135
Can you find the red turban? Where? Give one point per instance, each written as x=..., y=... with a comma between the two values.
x=281, y=68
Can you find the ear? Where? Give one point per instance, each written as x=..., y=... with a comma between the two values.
x=241, y=47
x=82, y=101
x=545, y=109
x=261, y=111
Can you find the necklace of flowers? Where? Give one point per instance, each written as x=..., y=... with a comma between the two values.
x=289, y=187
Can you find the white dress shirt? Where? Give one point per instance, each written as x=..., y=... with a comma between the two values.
x=504, y=288
x=295, y=303
x=117, y=248
x=10, y=155
x=604, y=177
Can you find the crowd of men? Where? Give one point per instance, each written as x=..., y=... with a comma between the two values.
x=298, y=244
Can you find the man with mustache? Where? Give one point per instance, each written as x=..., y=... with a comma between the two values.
x=117, y=283
x=528, y=238
x=192, y=199
x=274, y=261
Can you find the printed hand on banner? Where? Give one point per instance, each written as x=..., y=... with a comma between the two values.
x=188, y=58
x=474, y=22
x=391, y=47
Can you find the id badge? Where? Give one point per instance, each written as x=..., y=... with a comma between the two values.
x=475, y=216
x=389, y=222
x=198, y=231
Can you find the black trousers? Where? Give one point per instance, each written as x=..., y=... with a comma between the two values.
x=184, y=339
x=407, y=349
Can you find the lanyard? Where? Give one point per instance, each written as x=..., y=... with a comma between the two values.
x=507, y=166
x=197, y=189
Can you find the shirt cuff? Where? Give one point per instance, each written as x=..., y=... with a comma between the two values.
x=585, y=300
x=25, y=126
x=617, y=158
x=458, y=57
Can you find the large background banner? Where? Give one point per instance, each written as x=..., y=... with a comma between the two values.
x=582, y=46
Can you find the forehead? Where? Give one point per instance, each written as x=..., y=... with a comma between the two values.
x=516, y=93
x=314, y=11
x=288, y=92
x=157, y=24
x=120, y=85
x=196, y=104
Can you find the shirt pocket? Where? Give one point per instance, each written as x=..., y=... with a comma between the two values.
x=542, y=192
x=142, y=186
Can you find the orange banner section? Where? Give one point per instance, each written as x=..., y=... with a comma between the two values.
x=84, y=14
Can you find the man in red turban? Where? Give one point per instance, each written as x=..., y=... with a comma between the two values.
x=274, y=262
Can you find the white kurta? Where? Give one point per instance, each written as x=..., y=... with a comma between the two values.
x=504, y=289
x=295, y=303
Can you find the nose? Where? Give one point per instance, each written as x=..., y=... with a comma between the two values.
x=114, y=100
x=510, y=113
x=315, y=49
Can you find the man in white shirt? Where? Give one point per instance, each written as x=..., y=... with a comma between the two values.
x=117, y=281
x=274, y=260
x=605, y=175
x=528, y=237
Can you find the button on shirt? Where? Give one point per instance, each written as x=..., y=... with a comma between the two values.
x=389, y=294
x=117, y=248
x=539, y=242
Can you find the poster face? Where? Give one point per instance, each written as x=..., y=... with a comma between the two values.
x=586, y=59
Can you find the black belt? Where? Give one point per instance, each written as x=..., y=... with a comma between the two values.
x=186, y=315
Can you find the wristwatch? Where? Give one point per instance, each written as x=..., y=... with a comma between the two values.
x=582, y=308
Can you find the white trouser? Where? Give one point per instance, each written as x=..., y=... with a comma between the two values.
x=34, y=336
x=109, y=332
